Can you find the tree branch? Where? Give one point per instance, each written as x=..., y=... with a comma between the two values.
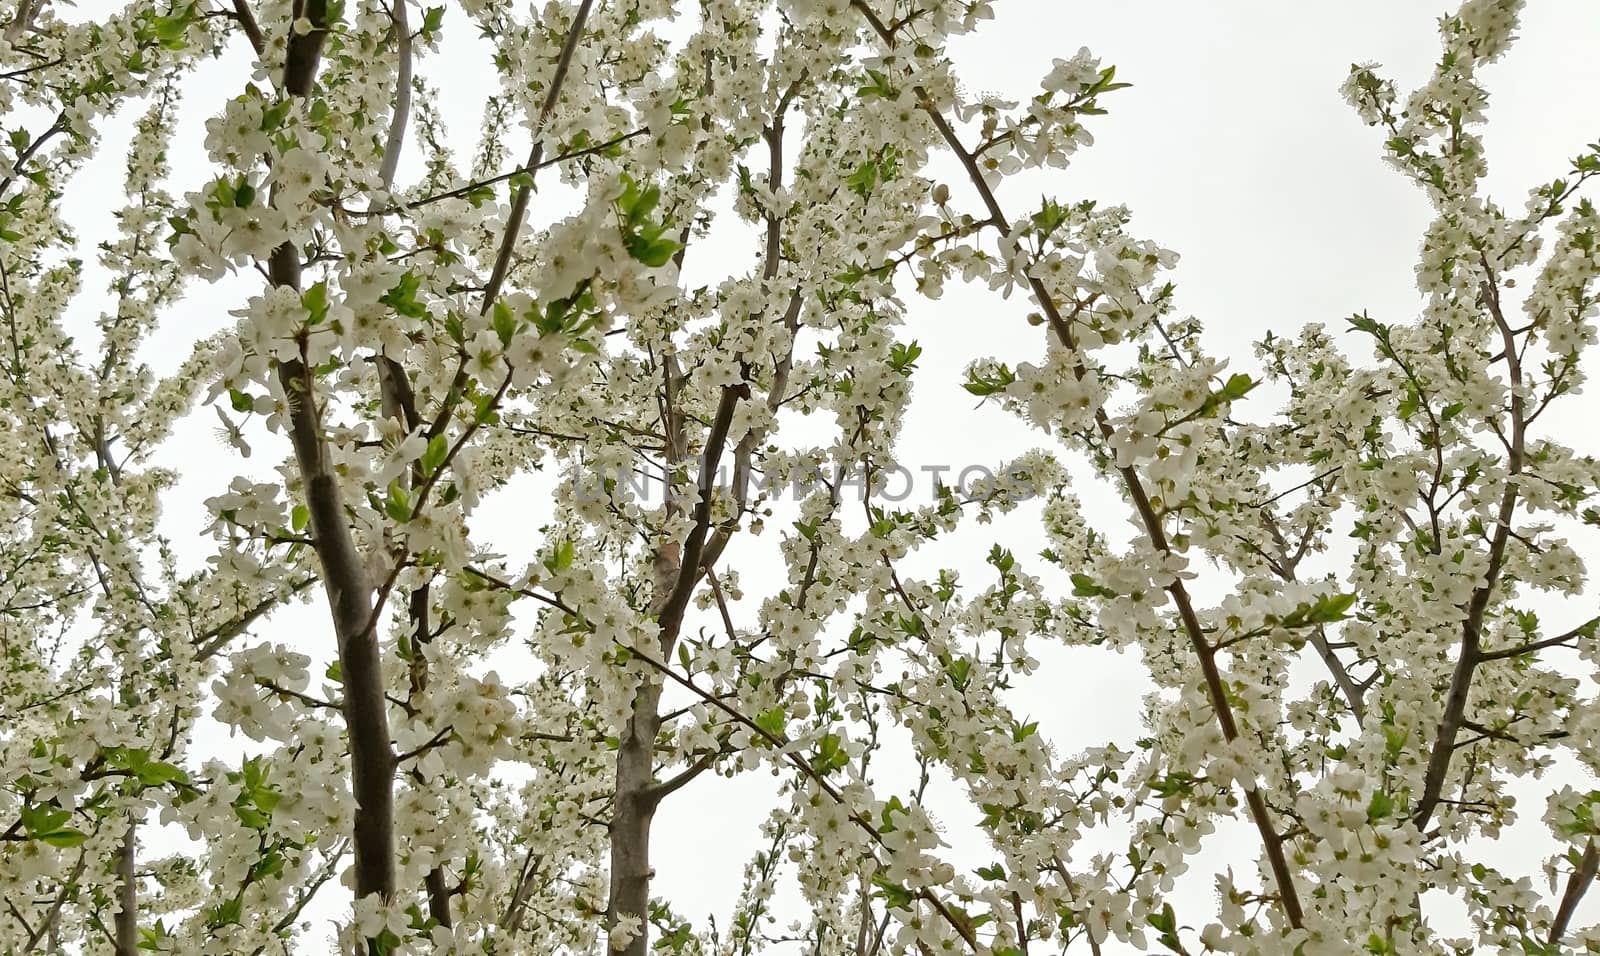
x=35, y=936
x=1577, y=884
x=1471, y=631
x=402, y=96
x=1560, y=640
x=1288, y=897
x=56, y=128
x=784, y=748
x=218, y=637
x=519, y=202
x=247, y=23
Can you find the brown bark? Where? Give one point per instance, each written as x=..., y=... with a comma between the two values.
x=344, y=577
x=631, y=817
x=634, y=805
x=1577, y=885
x=399, y=403
x=127, y=921
x=350, y=597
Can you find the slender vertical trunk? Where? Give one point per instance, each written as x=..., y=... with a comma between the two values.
x=344, y=577
x=634, y=808
x=127, y=921
x=676, y=570
x=632, y=816
x=399, y=404
x=372, y=760
x=438, y=890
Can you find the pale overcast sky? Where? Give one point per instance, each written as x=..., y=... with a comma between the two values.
x=1233, y=147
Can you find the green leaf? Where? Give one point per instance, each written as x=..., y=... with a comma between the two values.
x=150, y=937
x=893, y=894
x=403, y=297
x=226, y=913
x=64, y=838
x=636, y=204
x=299, y=517
x=432, y=20
x=1166, y=923
x=1237, y=387
x=561, y=558
x=1371, y=326
x=1175, y=784
x=398, y=503
x=483, y=410
x=877, y=85
x=151, y=773
x=1326, y=610
x=903, y=356
x=505, y=323
x=1332, y=608
x=830, y=754
x=1381, y=807
x=158, y=772
x=1085, y=586
x=38, y=820
x=986, y=383
x=172, y=31
x=772, y=722
x=863, y=179
x=960, y=672
x=434, y=456
x=315, y=300
x=454, y=328
x=269, y=865
x=642, y=236
x=652, y=252
x=1410, y=402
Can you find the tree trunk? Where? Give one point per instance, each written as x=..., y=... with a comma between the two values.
x=632, y=816
x=372, y=760
x=350, y=593
x=127, y=921
x=634, y=808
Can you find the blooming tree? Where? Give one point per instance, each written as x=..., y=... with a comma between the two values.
x=406, y=348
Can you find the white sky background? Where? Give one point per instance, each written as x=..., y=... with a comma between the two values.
x=1232, y=147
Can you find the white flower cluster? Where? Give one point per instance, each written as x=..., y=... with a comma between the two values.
x=473, y=744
